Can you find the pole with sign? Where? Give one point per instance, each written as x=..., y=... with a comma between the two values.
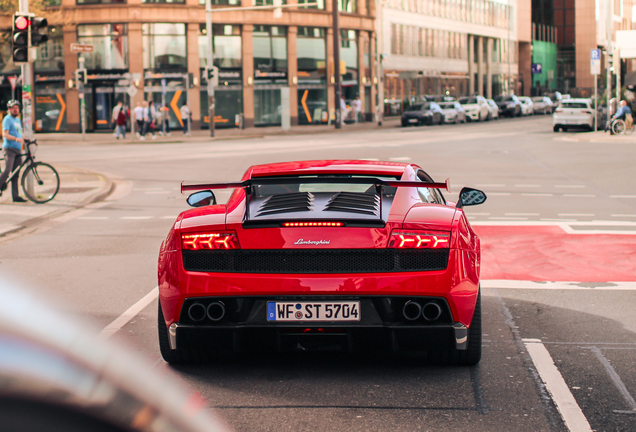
x=595, y=70
x=81, y=78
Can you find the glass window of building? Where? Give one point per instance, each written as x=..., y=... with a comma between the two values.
x=270, y=73
x=50, y=106
x=223, y=2
x=312, y=75
x=267, y=2
x=84, y=2
x=227, y=46
x=51, y=54
x=350, y=6
x=320, y=5
x=349, y=54
x=163, y=1
x=164, y=46
x=110, y=42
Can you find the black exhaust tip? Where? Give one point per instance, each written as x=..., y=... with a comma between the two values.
x=411, y=310
x=431, y=311
x=196, y=312
x=216, y=311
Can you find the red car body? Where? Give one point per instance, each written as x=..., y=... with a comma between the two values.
x=302, y=257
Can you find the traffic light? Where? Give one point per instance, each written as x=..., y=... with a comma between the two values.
x=20, y=39
x=80, y=76
x=38, y=24
x=213, y=75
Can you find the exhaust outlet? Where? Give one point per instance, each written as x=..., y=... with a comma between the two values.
x=411, y=310
x=216, y=311
x=196, y=312
x=431, y=311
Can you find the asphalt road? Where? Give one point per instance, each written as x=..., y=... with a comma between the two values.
x=559, y=280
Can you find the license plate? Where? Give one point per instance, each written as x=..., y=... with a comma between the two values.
x=313, y=311
x=413, y=120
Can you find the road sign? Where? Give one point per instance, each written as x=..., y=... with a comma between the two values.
x=537, y=68
x=82, y=48
x=13, y=80
x=132, y=90
x=595, y=62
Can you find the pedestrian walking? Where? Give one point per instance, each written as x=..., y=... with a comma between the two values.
x=163, y=118
x=149, y=120
x=120, y=118
x=138, y=112
x=12, y=144
x=185, y=117
x=357, y=109
x=344, y=112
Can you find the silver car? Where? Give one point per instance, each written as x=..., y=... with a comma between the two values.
x=453, y=112
x=494, y=109
x=543, y=104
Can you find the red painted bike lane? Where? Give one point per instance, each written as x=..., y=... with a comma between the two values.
x=548, y=253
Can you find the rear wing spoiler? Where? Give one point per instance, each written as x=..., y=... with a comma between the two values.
x=318, y=180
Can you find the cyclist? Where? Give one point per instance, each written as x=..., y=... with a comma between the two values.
x=12, y=143
x=622, y=114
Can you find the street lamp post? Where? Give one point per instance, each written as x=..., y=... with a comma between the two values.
x=208, y=29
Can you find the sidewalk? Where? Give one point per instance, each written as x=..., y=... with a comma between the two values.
x=204, y=135
x=78, y=187
x=599, y=136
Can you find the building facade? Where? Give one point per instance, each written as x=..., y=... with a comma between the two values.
x=159, y=47
x=452, y=47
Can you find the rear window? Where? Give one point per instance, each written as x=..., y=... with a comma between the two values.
x=574, y=105
x=503, y=99
x=447, y=105
x=418, y=107
x=468, y=100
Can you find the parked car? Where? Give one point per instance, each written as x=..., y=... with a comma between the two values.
x=494, y=109
x=425, y=113
x=527, y=107
x=543, y=104
x=508, y=105
x=439, y=98
x=574, y=113
x=476, y=107
x=453, y=112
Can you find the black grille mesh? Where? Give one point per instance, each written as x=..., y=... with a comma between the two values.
x=315, y=261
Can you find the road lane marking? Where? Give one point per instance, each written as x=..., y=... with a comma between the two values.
x=402, y=158
x=124, y=318
x=537, y=194
x=565, y=285
x=168, y=217
x=623, y=215
x=616, y=379
x=555, y=384
x=622, y=196
x=580, y=195
x=558, y=220
x=508, y=218
x=570, y=186
x=576, y=214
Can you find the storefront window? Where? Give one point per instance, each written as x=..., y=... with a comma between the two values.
x=110, y=42
x=348, y=6
x=164, y=46
x=312, y=79
x=270, y=73
x=50, y=107
x=349, y=54
x=84, y=2
x=51, y=54
x=227, y=46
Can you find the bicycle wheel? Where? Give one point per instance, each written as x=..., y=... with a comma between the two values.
x=40, y=182
x=618, y=127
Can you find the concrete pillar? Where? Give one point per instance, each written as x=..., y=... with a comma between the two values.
x=136, y=61
x=372, y=54
x=72, y=97
x=292, y=73
x=248, y=75
x=192, y=40
x=331, y=95
x=362, y=7
x=525, y=67
x=471, y=64
x=480, y=65
x=489, y=68
x=363, y=40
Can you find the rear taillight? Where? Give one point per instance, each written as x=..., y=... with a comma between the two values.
x=419, y=240
x=208, y=241
x=586, y=112
x=558, y=111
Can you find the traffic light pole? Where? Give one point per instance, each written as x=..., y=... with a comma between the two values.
x=27, y=77
x=208, y=27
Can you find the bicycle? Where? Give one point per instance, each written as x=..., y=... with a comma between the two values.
x=619, y=127
x=40, y=181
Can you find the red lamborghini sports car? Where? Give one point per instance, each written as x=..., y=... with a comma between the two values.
x=322, y=255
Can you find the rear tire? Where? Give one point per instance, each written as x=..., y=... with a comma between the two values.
x=178, y=356
x=556, y=128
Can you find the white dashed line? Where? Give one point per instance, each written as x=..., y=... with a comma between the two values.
x=555, y=384
x=480, y=214
x=136, y=217
x=579, y=195
x=558, y=220
x=570, y=186
x=623, y=215
x=508, y=218
x=537, y=194
x=402, y=158
x=168, y=217
x=576, y=214
x=622, y=196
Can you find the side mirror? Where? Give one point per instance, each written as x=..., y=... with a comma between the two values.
x=201, y=199
x=469, y=196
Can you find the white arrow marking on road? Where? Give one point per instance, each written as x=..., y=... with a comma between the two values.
x=124, y=318
x=555, y=384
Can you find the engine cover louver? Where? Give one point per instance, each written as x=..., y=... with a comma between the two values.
x=286, y=203
x=350, y=202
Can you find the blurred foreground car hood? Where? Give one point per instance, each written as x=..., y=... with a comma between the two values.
x=49, y=364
